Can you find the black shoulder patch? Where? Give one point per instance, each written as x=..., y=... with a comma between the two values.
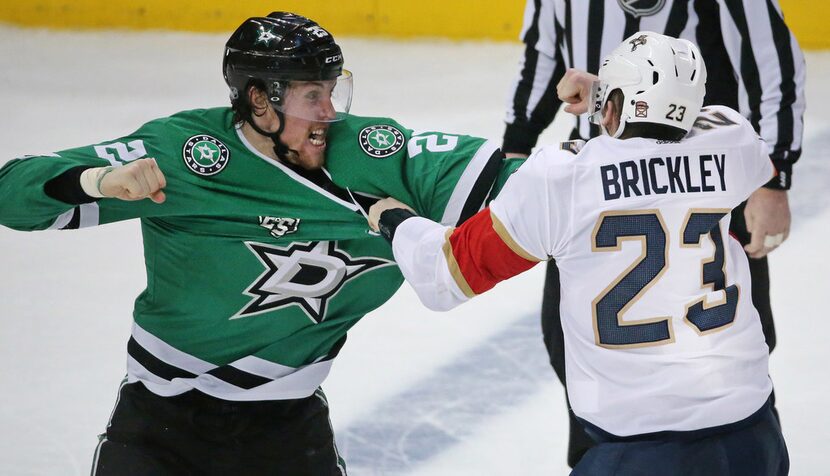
x=572, y=146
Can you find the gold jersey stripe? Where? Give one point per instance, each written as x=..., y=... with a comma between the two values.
x=455, y=270
x=508, y=240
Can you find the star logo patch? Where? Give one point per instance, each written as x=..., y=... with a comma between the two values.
x=265, y=36
x=307, y=275
x=381, y=141
x=205, y=155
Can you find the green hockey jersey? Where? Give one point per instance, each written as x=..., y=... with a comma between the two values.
x=256, y=270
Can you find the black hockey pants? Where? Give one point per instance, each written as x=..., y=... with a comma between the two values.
x=195, y=434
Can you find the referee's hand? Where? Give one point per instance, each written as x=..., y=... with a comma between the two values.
x=575, y=89
x=767, y=215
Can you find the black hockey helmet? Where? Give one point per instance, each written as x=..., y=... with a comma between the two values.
x=280, y=48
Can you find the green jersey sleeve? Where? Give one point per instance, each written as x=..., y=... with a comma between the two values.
x=27, y=206
x=445, y=177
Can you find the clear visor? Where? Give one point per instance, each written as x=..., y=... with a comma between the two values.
x=595, y=101
x=318, y=101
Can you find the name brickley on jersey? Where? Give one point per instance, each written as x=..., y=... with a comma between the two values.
x=661, y=175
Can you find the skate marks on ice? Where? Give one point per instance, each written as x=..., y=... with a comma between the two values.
x=441, y=411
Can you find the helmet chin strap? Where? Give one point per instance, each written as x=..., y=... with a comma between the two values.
x=600, y=92
x=280, y=148
x=619, y=131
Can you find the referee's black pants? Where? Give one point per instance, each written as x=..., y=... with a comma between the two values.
x=579, y=442
x=196, y=434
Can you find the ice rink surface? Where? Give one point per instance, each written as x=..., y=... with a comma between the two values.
x=413, y=392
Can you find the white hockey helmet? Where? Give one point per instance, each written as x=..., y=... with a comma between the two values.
x=662, y=78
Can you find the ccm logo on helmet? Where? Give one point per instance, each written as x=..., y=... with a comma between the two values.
x=333, y=59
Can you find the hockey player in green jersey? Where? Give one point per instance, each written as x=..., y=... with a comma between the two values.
x=258, y=258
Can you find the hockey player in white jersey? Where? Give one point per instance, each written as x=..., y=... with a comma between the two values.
x=666, y=362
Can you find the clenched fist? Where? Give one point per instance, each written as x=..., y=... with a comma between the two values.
x=575, y=89
x=134, y=181
x=381, y=206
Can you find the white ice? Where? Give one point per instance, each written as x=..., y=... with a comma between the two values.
x=413, y=392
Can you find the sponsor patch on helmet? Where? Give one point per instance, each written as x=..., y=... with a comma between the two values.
x=641, y=109
x=205, y=155
x=381, y=141
x=642, y=8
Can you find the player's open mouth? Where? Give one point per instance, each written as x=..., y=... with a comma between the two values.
x=318, y=137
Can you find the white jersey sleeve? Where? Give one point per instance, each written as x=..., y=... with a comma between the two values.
x=418, y=248
x=447, y=266
x=534, y=208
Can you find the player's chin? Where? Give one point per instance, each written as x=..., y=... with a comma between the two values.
x=313, y=158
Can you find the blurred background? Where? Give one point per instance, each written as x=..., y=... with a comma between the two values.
x=413, y=392
x=498, y=20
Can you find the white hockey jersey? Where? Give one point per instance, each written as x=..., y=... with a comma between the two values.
x=660, y=330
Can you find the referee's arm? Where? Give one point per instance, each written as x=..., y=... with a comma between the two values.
x=533, y=103
x=771, y=72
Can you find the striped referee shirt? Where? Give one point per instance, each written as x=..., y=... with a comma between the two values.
x=753, y=61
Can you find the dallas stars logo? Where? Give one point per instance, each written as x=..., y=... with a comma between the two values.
x=305, y=275
x=380, y=141
x=265, y=36
x=205, y=155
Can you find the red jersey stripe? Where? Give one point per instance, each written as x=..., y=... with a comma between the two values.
x=481, y=253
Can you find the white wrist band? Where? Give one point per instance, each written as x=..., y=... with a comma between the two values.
x=91, y=181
